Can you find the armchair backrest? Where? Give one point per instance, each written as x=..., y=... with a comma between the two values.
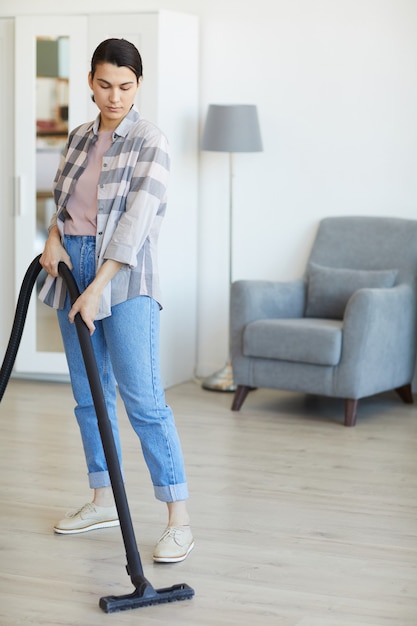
x=369, y=243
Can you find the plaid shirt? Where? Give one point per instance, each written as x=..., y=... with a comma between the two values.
x=131, y=203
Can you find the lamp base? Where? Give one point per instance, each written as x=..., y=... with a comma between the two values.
x=221, y=380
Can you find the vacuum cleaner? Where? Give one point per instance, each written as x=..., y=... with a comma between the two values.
x=144, y=593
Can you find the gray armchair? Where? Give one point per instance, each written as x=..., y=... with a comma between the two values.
x=347, y=329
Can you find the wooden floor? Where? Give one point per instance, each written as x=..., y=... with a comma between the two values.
x=298, y=520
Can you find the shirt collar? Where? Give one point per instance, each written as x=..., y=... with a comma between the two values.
x=125, y=125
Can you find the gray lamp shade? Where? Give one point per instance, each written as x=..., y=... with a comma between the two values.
x=232, y=128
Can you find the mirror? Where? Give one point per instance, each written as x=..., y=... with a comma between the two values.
x=52, y=108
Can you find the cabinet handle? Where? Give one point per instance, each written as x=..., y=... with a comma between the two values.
x=17, y=192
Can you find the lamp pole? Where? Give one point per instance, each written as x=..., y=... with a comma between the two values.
x=223, y=379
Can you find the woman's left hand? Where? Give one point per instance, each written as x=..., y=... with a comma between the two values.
x=87, y=305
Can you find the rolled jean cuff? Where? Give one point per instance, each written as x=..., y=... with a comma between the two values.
x=171, y=493
x=97, y=480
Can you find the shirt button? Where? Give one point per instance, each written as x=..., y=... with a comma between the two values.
x=100, y=233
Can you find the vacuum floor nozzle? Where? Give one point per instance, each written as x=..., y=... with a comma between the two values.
x=151, y=596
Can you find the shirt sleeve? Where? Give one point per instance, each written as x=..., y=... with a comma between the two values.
x=145, y=200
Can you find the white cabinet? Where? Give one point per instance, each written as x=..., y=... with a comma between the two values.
x=168, y=43
x=7, y=109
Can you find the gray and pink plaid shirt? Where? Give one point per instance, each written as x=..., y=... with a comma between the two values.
x=131, y=203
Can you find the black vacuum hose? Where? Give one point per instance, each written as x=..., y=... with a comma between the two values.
x=144, y=594
x=19, y=322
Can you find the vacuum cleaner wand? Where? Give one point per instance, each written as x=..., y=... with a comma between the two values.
x=144, y=593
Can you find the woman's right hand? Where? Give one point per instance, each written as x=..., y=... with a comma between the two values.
x=53, y=253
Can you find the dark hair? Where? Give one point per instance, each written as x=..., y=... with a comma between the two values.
x=118, y=52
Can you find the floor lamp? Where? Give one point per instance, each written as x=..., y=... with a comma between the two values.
x=230, y=128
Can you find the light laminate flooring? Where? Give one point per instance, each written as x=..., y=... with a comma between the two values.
x=298, y=520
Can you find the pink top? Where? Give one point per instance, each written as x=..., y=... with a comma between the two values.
x=82, y=204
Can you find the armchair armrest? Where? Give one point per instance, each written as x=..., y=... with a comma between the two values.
x=379, y=339
x=262, y=299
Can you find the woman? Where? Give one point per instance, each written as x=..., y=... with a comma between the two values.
x=110, y=195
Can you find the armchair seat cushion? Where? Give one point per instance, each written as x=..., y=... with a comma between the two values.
x=303, y=340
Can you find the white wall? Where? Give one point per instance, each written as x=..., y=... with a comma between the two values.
x=335, y=82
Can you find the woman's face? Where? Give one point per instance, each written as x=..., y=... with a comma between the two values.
x=114, y=89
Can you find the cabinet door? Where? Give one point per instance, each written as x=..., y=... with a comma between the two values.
x=6, y=178
x=51, y=95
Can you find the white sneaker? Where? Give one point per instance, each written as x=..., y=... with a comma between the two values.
x=89, y=517
x=175, y=545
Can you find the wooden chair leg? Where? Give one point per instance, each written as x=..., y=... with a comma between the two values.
x=405, y=393
x=351, y=411
x=240, y=396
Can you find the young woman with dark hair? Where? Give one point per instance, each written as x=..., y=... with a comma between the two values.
x=110, y=195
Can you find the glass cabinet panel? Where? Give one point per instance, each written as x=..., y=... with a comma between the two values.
x=51, y=62
x=52, y=109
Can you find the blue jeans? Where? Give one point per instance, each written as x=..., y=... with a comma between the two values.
x=126, y=347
